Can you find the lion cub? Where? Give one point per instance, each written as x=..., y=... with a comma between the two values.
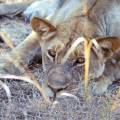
x=55, y=43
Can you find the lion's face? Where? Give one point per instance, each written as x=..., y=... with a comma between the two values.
x=64, y=66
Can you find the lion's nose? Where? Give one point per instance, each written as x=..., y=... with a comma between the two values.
x=59, y=79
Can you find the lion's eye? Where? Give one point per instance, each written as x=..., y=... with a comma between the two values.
x=52, y=53
x=79, y=62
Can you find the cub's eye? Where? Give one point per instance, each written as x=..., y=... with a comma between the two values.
x=52, y=53
x=79, y=62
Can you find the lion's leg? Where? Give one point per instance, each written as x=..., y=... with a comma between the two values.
x=21, y=53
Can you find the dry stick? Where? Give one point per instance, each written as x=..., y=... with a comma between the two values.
x=7, y=90
x=29, y=42
x=87, y=49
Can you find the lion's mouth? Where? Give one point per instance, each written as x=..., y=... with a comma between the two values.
x=56, y=94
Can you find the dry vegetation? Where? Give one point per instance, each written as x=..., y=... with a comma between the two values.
x=22, y=101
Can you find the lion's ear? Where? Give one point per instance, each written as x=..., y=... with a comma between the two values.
x=40, y=25
x=109, y=45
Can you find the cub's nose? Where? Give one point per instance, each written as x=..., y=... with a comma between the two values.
x=59, y=79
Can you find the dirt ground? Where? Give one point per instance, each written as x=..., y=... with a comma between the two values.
x=27, y=103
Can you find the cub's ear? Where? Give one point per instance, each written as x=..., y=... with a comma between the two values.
x=40, y=25
x=109, y=45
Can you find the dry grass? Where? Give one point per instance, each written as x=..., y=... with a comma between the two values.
x=87, y=49
x=29, y=76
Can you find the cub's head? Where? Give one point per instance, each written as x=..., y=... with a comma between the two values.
x=63, y=73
